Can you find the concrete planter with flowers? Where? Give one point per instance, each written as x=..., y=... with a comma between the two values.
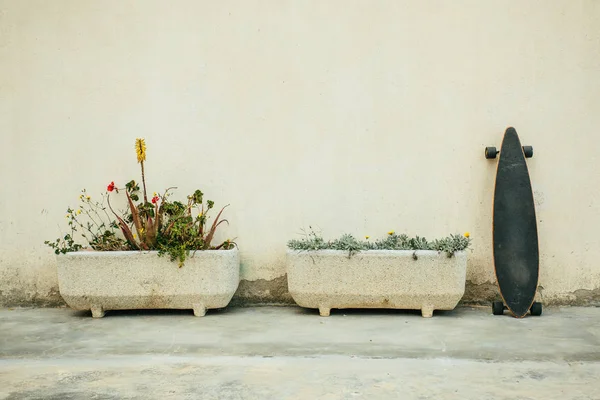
x=158, y=254
x=128, y=280
x=347, y=273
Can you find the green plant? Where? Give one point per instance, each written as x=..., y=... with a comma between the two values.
x=311, y=241
x=349, y=243
x=393, y=241
x=182, y=232
x=91, y=221
x=451, y=244
x=171, y=227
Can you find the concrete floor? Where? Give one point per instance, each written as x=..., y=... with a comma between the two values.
x=292, y=353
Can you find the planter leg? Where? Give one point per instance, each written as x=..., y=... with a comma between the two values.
x=97, y=311
x=427, y=311
x=199, y=310
x=324, y=311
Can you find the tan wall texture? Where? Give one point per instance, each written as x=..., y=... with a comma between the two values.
x=350, y=116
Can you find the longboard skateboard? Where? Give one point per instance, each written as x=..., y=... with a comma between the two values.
x=515, y=238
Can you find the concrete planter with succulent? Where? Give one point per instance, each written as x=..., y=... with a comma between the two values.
x=158, y=253
x=394, y=272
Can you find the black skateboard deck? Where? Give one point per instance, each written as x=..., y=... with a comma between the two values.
x=515, y=237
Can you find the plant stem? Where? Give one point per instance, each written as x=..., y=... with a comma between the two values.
x=91, y=218
x=144, y=182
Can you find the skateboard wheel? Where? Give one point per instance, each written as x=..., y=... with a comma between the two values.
x=497, y=308
x=528, y=150
x=536, y=309
x=491, y=152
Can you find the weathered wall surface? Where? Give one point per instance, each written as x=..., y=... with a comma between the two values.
x=355, y=117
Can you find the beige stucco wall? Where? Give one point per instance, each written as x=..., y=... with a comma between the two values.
x=351, y=116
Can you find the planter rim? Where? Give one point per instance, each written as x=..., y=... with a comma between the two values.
x=374, y=252
x=130, y=253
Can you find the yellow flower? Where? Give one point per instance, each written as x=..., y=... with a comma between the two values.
x=134, y=236
x=467, y=234
x=140, y=149
x=78, y=212
x=390, y=232
x=87, y=198
x=367, y=237
x=80, y=197
x=154, y=195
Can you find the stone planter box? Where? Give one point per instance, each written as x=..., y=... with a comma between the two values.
x=126, y=280
x=405, y=279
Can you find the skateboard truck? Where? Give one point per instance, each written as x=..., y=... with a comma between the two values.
x=498, y=308
x=492, y=152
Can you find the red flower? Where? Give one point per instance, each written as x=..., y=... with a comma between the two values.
x=111, y=187
x=155, y=199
